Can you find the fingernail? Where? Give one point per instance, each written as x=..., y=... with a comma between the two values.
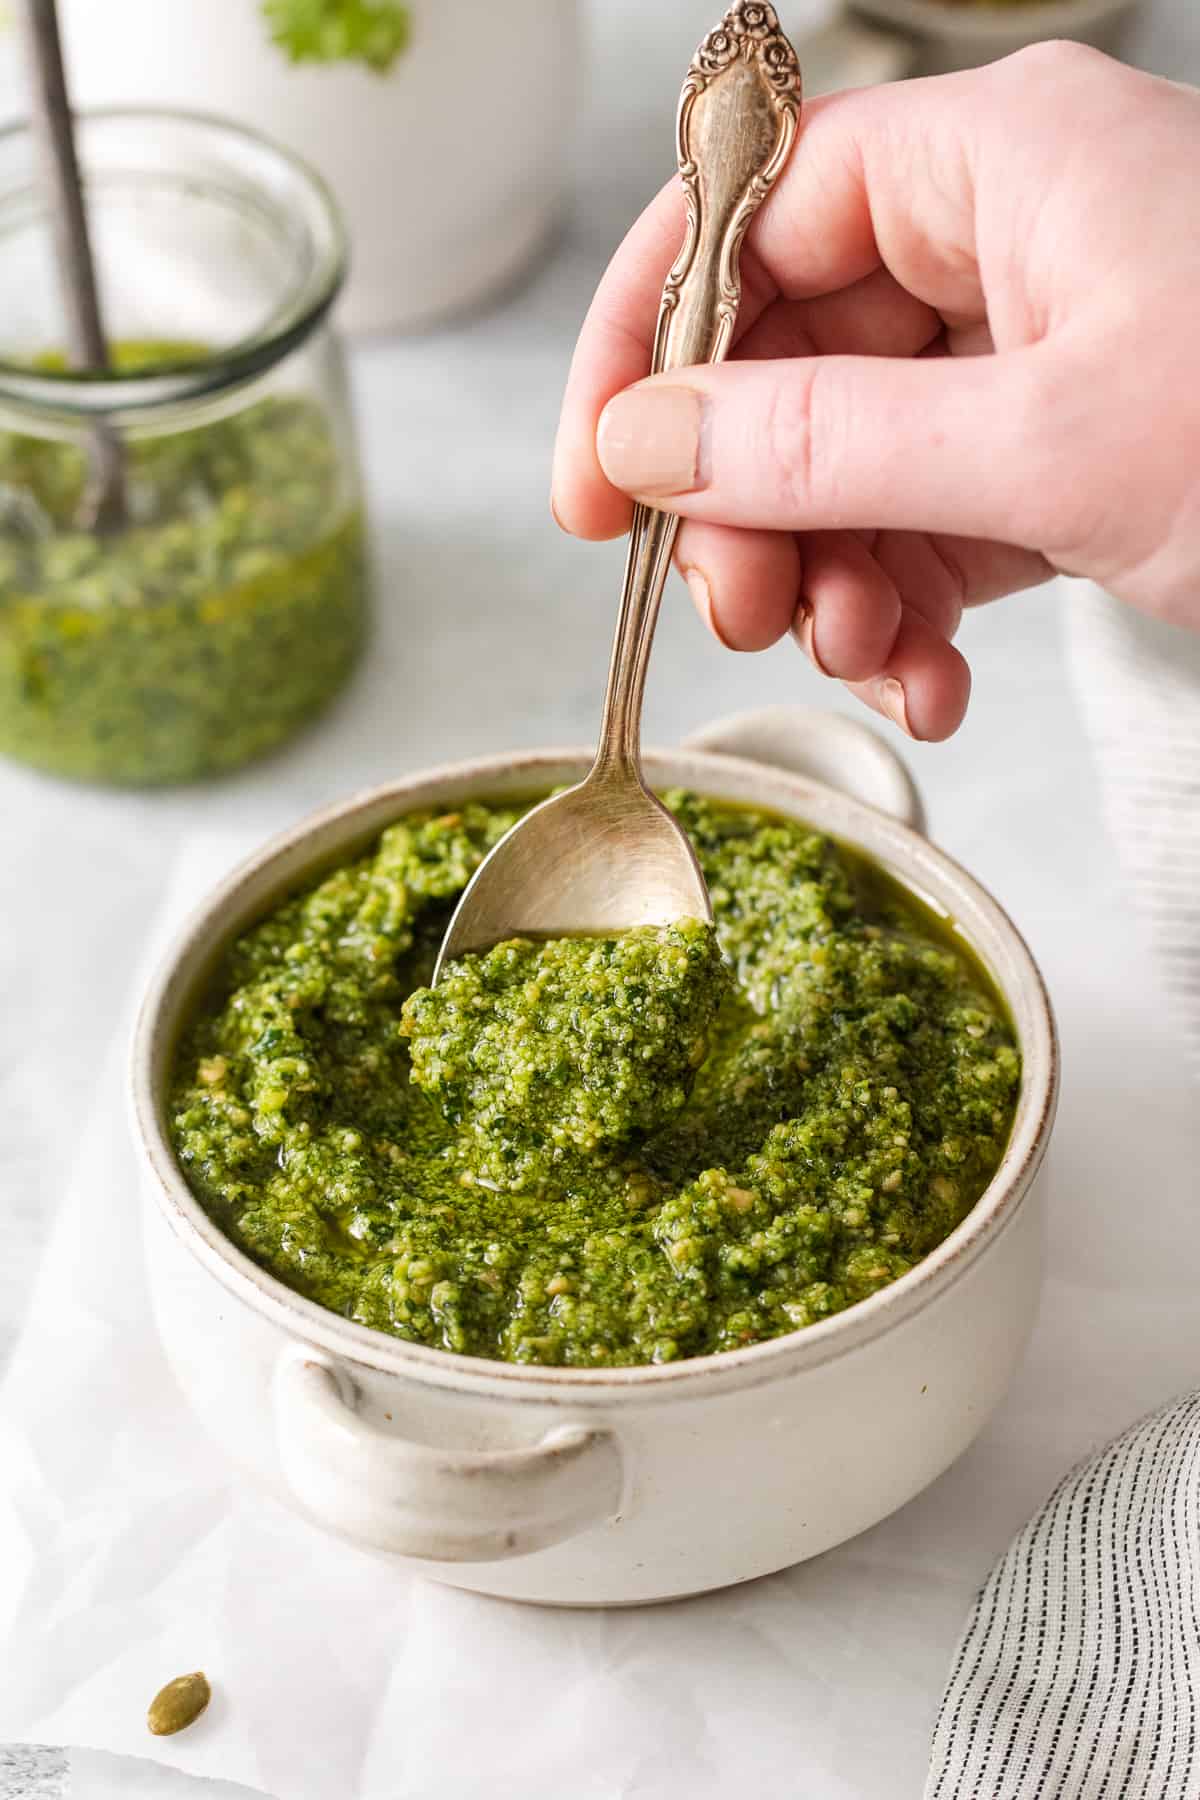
x=701, y=593
x=803, y=632
x=890, y=694
x=554, y=512
x=650, y=441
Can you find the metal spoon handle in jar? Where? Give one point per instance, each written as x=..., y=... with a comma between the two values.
x=737, y=121
x=103, y=504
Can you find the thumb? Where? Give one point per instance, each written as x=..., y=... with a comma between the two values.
x=961, y=445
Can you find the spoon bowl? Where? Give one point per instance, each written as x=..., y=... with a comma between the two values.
x=601, y=857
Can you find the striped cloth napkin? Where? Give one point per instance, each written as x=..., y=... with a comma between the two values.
x=1078, y=1676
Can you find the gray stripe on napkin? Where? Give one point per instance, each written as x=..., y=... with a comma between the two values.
x=1078, y=1676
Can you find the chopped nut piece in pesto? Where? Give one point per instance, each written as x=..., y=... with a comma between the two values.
x=225, y=614
x=855, y=1100
x=543, y=1054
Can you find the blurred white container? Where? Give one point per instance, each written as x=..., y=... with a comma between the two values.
x=449, y=168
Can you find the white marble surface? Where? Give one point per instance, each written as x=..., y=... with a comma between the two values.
x=493, y=630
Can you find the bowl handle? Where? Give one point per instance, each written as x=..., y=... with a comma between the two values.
x=388, y=1492
x=829, y=747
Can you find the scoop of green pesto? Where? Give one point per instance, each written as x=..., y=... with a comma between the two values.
x=546, y=1053
x=512, y=1167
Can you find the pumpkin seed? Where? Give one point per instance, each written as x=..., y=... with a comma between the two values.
x=179, y=1704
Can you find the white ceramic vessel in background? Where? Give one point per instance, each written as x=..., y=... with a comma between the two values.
x=449, y=169
x=578, y=1487
x=934, y=37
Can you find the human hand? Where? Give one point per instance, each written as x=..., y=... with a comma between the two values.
x=967, y=359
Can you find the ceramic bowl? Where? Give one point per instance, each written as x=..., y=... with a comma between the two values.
x=582, y=1486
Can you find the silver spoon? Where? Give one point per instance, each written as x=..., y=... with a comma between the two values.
x=605, y=855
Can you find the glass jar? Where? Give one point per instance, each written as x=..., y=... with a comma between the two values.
x=225, y=603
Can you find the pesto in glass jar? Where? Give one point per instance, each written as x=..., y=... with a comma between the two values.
x=225, y=602
x=223, y=618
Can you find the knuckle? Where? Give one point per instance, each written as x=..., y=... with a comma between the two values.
x=787, y=453
x=1055, y=61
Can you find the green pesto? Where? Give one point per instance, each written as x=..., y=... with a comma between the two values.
x=219, y=620
x=542, y=1055
x=856, y=1098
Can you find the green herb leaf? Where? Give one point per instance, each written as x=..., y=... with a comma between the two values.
x=373, y=32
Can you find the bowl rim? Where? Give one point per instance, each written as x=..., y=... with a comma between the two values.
x=292, y=855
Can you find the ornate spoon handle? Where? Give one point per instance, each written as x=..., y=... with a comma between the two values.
x=737, y=121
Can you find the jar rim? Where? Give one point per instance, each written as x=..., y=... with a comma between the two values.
x=79, y=393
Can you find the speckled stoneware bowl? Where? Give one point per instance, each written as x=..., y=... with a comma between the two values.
x=586, y=1486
